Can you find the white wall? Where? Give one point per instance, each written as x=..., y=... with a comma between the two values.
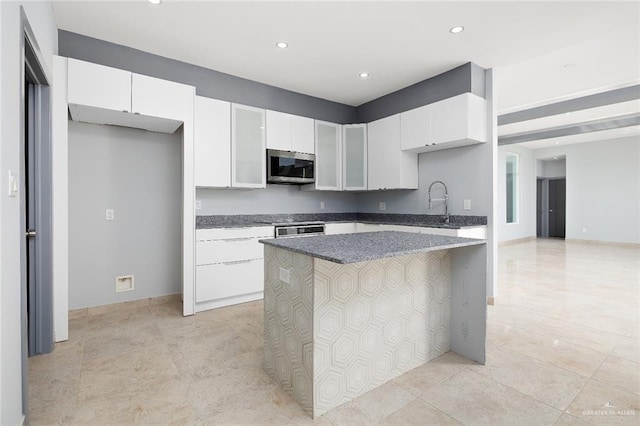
x=551, y=168
x=526, y=207
x=603, y=189
x=41, y=19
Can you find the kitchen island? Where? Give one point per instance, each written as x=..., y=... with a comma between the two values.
x=344, y=314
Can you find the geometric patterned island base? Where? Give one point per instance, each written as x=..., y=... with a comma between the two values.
x=335, y=331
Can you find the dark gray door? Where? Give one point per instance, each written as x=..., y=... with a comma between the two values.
x=557, y=209
x=539, y=209
x=37, y=207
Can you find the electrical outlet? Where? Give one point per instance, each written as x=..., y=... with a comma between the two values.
x=467, y=204
x=382, y=205
x=109, y=214
x=124, y=283
x=284, y=275
x=321, y=205
x=198, y=205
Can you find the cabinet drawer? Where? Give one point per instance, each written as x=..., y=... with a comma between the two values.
x=218, y=251
x=228, y=233
x=229, y=279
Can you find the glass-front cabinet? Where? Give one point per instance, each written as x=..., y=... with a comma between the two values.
x=354, y=158
x=328, y=156
x=248, y=150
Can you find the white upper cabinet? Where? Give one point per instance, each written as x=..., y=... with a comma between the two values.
x=288, y=132
x=278, y=130
x=388, y=166
x=98, y=86
x=104, y=95
x=302, y=134
x=450, y=123
x=212, y=148
x=328, y=156
x=248, y=151
x=415, y=127
x=159, y=98
x=354, y=157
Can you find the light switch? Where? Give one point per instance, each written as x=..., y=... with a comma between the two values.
x=467, y=204
x=382, y=205
x=198, y=205
x=321, y=205
x=13, y=185
x=109, y=214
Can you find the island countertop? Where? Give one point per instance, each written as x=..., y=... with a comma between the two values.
x=360, y=247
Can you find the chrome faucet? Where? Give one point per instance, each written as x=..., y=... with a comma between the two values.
x=445, y=199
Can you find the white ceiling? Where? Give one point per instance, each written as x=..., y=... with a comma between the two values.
x=541, y=51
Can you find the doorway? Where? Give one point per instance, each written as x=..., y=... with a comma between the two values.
x=37, y=206
x=551, y=207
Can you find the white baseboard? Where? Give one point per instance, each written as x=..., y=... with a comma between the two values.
x=603, y=243
x=516, y=241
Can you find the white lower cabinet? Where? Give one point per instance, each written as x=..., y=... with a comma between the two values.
x=479, y=231
x=228, y=280
x=339, y=228
x=369, y=227
x=229, y=266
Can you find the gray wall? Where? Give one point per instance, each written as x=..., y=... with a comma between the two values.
x=138, y=174
x=459, y=168
x=603, y=189
x=276, y=199
x=209, y=83
x=465, y=78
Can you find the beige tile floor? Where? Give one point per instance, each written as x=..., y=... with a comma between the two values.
x=563, y=348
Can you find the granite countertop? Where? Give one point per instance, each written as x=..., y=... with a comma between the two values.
x=353, y=248
x=423, y=220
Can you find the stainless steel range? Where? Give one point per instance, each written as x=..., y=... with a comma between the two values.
x=298, y=229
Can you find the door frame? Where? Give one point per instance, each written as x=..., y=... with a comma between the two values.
x=544, y=215
x=564, y=178
x=33, y=66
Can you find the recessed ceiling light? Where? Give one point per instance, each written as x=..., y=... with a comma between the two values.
x=155, y=1
x=456, y=30
x=567, y=113
x=557, y=143
x=282, y=45
x=364, y=75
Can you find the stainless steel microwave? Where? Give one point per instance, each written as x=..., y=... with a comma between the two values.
x=290, y=167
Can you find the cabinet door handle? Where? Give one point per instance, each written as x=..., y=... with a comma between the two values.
x=237, y=239
x=236, y=262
